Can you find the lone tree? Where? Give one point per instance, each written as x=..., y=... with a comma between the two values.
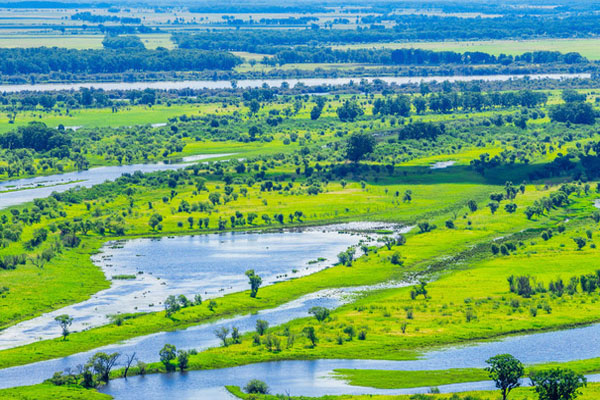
x=506, y=371
x=557, y=384
x=320, y=313
x=261, y=326
x=359, y=145
x=255, y=282
x=256, y=387
x=64, y=321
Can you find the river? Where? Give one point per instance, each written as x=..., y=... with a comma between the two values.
x=253, y=83
x=211, y=265
x=19, y=191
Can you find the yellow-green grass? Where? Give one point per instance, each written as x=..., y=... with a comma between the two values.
x=439, y=320
x=104, y=117
x=589, y=48
x=393, y=379
x=478, y=288
x=368, y=270
x=51, y=392
x=590, y=392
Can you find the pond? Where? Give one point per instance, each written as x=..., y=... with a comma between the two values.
x=210, y=265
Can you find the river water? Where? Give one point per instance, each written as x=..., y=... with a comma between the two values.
x=210, y=265
x=20, y=191
x=314, y=378
x=253, y=83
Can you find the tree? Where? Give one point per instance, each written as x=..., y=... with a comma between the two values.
x=214, y=198
x=256, y=387
x=311, y=335
x=261, y=326
x=183, y=359
x=222, y=334
x=580, y=242
x=64, y=321
x=472, y=204
x=315, y=113
x=103, y=363
x=349, y=111
x=172, y=305
x=254, y=106
x=557, y=384
x=155, y=220
x=167, y=354
x=506, y=371
x=320, y=313
x=359, y=145
x=255, y=282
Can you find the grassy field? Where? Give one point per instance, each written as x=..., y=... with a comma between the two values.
x=51, y=392
x=589, y=48
x=591, y=392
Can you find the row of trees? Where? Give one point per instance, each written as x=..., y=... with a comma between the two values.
x=305, y=54
x=408, y=27
x=43, y=60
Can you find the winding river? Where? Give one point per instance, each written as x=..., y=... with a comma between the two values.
x=252, y=83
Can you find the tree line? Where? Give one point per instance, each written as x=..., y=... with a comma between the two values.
x=312, y=54
x=43, y=60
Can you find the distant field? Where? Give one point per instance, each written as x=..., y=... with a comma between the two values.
x=589, y=48
x=151, y=41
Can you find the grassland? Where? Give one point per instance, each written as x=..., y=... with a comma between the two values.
x=51, y=392
x=589, y=48
x=591, y=392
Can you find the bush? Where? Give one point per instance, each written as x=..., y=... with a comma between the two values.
x=256, y=387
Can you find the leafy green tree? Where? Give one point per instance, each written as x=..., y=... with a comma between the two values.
x=167, y=354
x=580, y=242
x=506, y=371
x=103, y=363
x=155, y=220
x=183, y=360
x=557, y=384
x=320, y=313
x=256, y=387
x=359, y=145
x=261, y=326
x=255, y=282
x=349, y=111
x=64, y=320
x=311, y=335
x=172, y=305
x=472, y=204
